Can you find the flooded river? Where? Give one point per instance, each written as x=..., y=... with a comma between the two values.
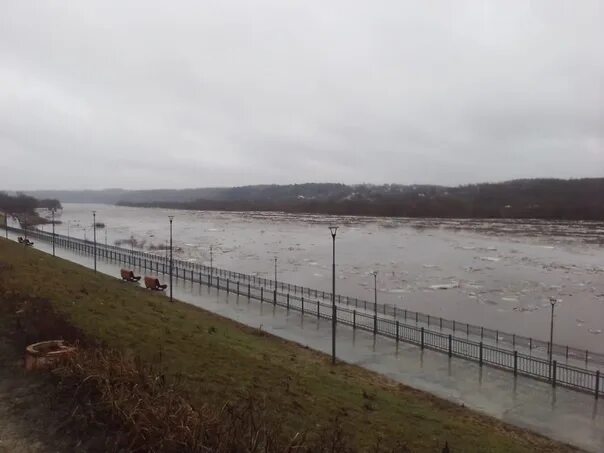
x=497, y=274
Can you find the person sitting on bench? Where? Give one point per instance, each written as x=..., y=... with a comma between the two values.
x=128, y=275
x=153, y=283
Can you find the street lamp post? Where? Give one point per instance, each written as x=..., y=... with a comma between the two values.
x=171, y=217
x=53, y=231
x=552, y=301
x=333, y=230
x=374, y=273
x=94, y=236
x=275, y=272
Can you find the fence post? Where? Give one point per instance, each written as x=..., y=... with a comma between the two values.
x=450, y=346
x=597, y=384
x=261, y=294
x=554, y=364
x=480, y=354
x=218, y=283
x=275, y=297
x=515, y=363
x=302, y=303
x=422, y=342
x=374, y=324
x=238, y=287
x=397, y=334
x=354, y=319
x=318, y=310
x=288, y=301
x=248, y=292
x=228, y=285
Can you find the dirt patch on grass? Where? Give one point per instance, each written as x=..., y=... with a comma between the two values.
x=31, y=320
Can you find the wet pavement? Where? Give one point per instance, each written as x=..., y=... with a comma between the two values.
x=559, y=413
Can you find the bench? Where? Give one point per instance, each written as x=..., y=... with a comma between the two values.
x=128, y=275
x=25, y=241
x=153, y=283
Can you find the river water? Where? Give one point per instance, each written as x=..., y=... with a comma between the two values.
x=498, y=274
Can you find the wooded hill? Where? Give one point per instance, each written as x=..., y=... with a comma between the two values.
x=576, y=199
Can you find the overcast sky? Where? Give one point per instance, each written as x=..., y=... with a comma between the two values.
x=145, y=94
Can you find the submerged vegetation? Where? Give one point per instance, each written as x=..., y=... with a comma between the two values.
x=172, y=377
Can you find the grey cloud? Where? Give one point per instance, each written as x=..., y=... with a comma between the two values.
x=182, y=94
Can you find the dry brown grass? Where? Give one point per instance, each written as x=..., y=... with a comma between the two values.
x=125, y=394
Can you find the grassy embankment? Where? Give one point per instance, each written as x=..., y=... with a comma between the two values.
x=216, y=360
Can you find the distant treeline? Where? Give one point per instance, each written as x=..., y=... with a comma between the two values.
x=24, y=207
x=578, y=199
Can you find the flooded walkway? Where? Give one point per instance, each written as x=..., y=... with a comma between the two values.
x=561, y=414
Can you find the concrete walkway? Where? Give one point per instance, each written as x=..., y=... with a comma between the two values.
x=568, y=416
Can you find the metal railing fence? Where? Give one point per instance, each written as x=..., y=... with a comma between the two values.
x=311, y=302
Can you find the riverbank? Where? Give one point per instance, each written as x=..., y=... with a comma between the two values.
x=214, y=360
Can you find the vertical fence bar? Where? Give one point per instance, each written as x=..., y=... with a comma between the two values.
x=354, y=319
x=450, y=345
x=515, y=363
x=597, y=384
x=480, y=354
x=422, y=340
x=397, y=329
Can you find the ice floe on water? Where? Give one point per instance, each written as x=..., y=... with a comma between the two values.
x=449, y=285
x=595, y=331
x=493, y=259
x=509, y=299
